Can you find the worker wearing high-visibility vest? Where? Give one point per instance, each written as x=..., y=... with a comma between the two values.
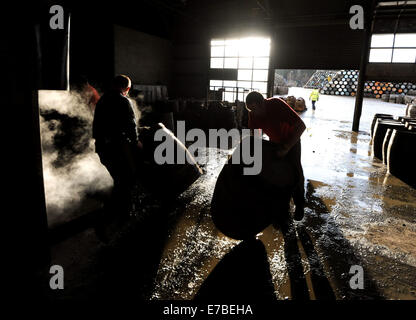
x=314, y=97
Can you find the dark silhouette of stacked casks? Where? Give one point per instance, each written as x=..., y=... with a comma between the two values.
x=217, y=115
x=221, y=115
x=394, y=142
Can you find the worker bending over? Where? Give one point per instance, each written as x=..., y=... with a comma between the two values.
x=284, y=127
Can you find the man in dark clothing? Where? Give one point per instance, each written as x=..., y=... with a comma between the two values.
x=116, y=141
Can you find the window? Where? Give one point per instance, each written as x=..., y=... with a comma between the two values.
x=393, y=48
x=250, y=56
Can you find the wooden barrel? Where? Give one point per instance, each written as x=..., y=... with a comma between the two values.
x=166, y=180
x=408, y=123
x=403, y=119
x=379, y=134
x=379, y=116
x=291, y=101
x=244, y=205
x=300, y=105
x=401, y=156
x=386, y=140
x=385, y=97
x=393, y=98
x=411, y=110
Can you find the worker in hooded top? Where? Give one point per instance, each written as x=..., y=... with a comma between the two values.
x=314, y=97
x=117, y=142
x=284, y=127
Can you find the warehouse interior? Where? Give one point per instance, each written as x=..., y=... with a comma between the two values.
x=360, y=187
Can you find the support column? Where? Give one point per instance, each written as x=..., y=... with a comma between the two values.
x=365, y=51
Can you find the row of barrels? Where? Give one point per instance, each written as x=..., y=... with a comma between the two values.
x=394, y=142
x=345, y=84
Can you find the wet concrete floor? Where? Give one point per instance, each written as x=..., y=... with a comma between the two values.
x=356, y=215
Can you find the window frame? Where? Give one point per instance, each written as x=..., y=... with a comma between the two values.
x=392, y=48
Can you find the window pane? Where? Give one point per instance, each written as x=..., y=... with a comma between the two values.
x=260, y=86
x=230, y=63
x=260, y=75
x=261, y=63
x=261, y=49
x=230, y=84
x=215, y=83
x=232, y=42
x=380, y=55
x=229, y=96
x=404, y=55
x=216, y=42
x=231, y=51
x=245, y=63
x=382, y=40
x=244, y=75
x=405, y=40
x=217, y=51
x=217, y=63
x=244, y=84
x=246, y=48
x=241, y=96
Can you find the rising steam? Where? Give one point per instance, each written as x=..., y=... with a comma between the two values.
x=73, y=173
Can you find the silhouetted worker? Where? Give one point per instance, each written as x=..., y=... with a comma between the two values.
x=116, y=141
x=284, y=127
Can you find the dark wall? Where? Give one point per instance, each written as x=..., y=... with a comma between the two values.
x=190, y=61
x=392, y=72
x=317, y=47
x=146, y=59
x=91, y=48
x=24, y=211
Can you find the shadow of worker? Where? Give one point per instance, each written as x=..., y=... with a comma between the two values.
x=243, y=275
x=298, y=286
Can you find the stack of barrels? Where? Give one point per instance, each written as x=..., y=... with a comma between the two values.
x=345, y=84
x=320, y=78
x=394, y=142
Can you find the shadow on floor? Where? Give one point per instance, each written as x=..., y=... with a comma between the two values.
x=335, y=251
x=242, y=275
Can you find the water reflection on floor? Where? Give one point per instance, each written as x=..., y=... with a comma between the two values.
x=356, y=214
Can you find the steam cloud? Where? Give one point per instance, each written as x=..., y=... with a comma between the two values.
x=72, y=170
